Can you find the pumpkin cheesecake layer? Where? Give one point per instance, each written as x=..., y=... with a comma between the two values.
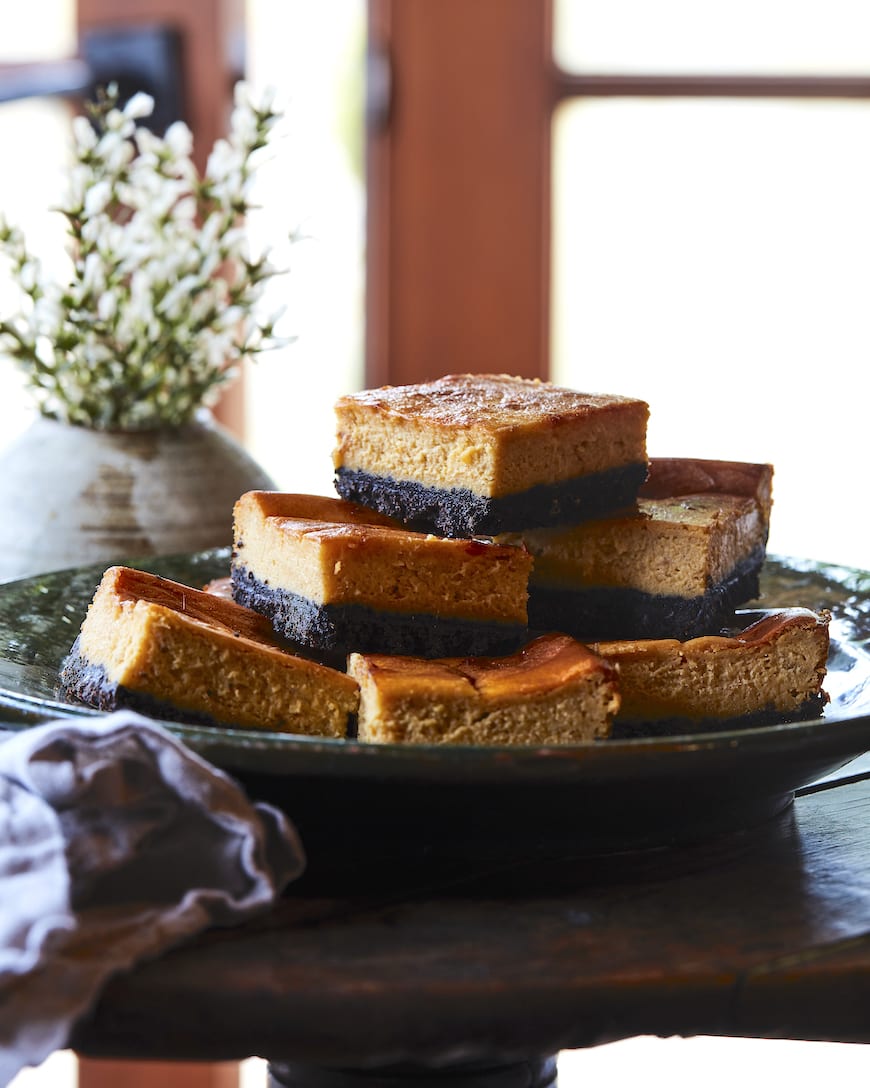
x=473, y=454
x=329, y=580
x=773, y=669
x=553, y=691
x=175, y=652
x=675, y=565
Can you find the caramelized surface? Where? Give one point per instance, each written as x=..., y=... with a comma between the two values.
x=206, y=655
x=759, y=634
x=493, y=435
x=554, y=691
x=777, y=663
x=379, y=565
x=492, y=401
x=543, y=665
x=324, y=508
x=213, y=610
x=675, y=476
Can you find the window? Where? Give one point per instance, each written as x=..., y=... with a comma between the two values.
x=709, y=253
x=313, y=56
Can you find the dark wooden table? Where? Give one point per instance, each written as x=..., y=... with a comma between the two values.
x=481, y=973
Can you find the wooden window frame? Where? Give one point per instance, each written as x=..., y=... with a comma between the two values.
x=459, y=178
x=458, y=166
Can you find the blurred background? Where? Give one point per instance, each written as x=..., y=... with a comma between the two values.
x=666, y=200
x=649, y=197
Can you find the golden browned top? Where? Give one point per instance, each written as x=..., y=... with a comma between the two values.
x=692, y=510
x=498, y=401
x=317, y=518
x=760, y=633
x=676, y=476
x=396, y=540
x=211, y=609
x=383, y=566
x=542, y=666
x=776, y=664
x=324, y=508
x=199, y=652
x=667, y=546
x=493, y=435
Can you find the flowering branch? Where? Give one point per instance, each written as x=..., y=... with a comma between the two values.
x=159, y=310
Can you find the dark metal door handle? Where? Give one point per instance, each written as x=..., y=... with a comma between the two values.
x=134, y=57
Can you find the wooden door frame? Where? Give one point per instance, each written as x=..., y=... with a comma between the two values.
x=458, y=213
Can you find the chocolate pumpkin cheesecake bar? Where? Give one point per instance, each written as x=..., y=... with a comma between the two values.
x=674, y=565
x=336, y=576
x=479, y=454
x=772, y=669
x=553, y=691
x=174, y=652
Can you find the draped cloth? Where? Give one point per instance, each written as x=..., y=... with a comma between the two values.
x=116, y=843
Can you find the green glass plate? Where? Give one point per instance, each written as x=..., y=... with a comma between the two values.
x=729, y=770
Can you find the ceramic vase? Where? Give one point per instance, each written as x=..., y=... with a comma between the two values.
x=70, y=495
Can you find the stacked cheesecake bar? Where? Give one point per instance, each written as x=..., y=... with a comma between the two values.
x=432, y=610
x=623, y=547
x=504, y=565
x=172, y=651
x=406, y=562
x=653, y=555
x=673, y=564
x=337, y=577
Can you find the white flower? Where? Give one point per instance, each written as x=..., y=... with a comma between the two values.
x=92, y=228
x=242, y=95
x=47, y=314
x=162, y=292
x=77, y=185
x=28, y=275
x=233, y=242
x=140, y=105
x=97, y=198
x=83, y=134
x=267, y=101
x=107, y=306
x=115, y=150
x=93, y=274
x=177, y=297
x=218, y=350
x=243, y=127
x=179, y=140
x=149, y=144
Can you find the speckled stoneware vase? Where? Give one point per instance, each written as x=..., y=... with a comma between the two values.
x=70, y=495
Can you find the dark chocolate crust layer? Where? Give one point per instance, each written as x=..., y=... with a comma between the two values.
x=345, y=628
x=458, y=512
x=615, y=612
x=89, y=682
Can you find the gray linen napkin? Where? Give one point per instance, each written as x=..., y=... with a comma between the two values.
x=116, y=843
